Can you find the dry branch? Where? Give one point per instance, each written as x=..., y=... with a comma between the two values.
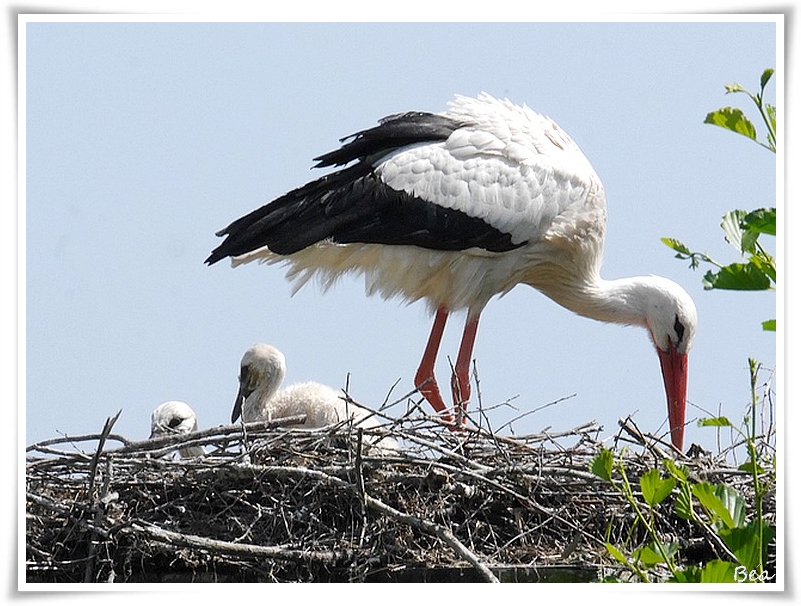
x=236, y=549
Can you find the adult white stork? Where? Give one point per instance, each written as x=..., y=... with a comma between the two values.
x=455, y=208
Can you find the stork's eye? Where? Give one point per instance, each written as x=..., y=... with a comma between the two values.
x=679, y=328
x=174, y=422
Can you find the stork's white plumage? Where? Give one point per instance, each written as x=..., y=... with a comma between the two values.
x=262, y=372
x=455, y=208
x=175, y=417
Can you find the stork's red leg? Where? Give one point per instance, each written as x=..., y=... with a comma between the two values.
x=460, y=381
x=424, y=380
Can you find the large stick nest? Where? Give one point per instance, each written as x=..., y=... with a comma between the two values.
x=272, y=503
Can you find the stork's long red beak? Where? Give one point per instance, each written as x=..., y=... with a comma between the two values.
x=674, y=372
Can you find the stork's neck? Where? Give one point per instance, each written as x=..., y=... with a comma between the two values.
x=256, y=405
x=621, y=301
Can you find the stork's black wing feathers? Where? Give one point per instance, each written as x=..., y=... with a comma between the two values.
x=353, y=204
x=391, y=133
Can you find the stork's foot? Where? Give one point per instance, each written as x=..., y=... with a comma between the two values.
x=428, y=387
x=460, y=378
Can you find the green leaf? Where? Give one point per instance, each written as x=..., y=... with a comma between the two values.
x=714, y=422
x=732, y=119
x=744, y=542
x=649, y=555
x=764, y=263
x=737, y=276
x=769, y=325
x=690, y=574
x=735, y=88
x=733, y=231
x=601, y=465
x=654, y=488
x=705, y=493
x=722, y=502
x=763, y=80
x=684, y=500
x=748, y=242
x=616, y=553
x=718, y=571
x=743, y=229
x=679, y=472
x=734, y=502
x=762, y=220
x=751, y=467
x=771, y=112
x=677, y=246
x=684, y=503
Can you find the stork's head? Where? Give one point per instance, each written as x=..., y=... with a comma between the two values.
x=172, y=417
x=671, y=318
x=262, y=369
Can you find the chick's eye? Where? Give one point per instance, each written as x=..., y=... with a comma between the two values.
x=679, y=328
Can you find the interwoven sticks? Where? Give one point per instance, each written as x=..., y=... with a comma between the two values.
x=268, y=503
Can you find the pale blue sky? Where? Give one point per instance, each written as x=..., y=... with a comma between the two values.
x=144, y=139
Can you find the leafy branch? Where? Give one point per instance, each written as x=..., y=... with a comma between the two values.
x=742, y=231
x=733, y=119
x=741, y=228
x=654, y=490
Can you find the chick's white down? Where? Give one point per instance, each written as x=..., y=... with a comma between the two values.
x=175, y=418
x=263, y=369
